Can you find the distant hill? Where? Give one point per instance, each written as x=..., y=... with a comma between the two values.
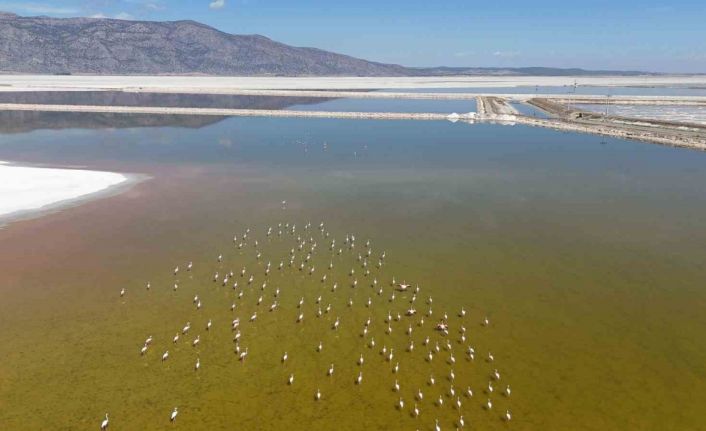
x=110, y=46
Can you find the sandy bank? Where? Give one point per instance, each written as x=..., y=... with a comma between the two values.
x=26, y=191
x=280, y=113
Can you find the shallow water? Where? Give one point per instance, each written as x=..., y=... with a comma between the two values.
x=529, y=110
x=391, y=105
x=687, y=114
x=586, y=254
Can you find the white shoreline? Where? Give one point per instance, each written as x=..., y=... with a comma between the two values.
x=28, y=191
x=223, y=83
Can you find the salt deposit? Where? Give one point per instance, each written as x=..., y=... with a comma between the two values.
x=24, y=189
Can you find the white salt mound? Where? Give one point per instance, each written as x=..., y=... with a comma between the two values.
x=29, y=189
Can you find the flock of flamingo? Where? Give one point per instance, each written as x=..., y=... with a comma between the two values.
x=315, y=256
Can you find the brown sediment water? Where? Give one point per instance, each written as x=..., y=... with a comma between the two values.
x=585, y=257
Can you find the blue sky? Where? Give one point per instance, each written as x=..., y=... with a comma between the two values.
x=647, y=35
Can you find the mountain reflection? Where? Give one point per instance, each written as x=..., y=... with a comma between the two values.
x=24, y=121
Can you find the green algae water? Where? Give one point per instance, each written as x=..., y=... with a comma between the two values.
x=585, y=254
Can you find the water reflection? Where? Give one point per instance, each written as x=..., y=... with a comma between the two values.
x=24, y=121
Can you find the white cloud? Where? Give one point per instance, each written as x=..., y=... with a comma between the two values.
x=506, y=54
x=149, y=4
x=124, y=15
x=217, y=4
x=38, y=8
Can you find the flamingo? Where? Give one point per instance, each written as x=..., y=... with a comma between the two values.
x=243, y=355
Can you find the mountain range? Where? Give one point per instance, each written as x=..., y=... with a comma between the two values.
x=45, y=45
